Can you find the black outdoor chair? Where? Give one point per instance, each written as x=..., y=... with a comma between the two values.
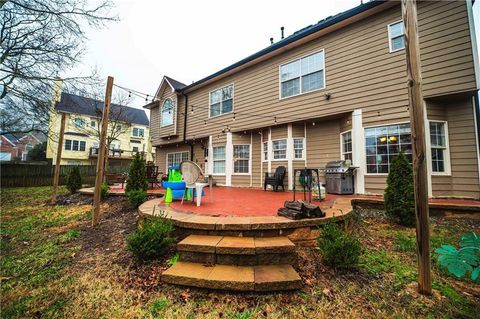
x=275, y=179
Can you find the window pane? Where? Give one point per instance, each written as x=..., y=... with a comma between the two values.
x=280, y=144
x=75, y=145
x=241, y=151
x=227, y=92
x=68, y=145
x=219, y=153
x=82, y=146
x=215, y=109
x=396, y=29
x=290, y=71
x=227, y=106
x=219, y=167
x=216, y=97
x=312, y=81
x=167, y=113
x=280, y=154
x=312, y=63
x=398, y=43
x=291, y=87
x=383, y=144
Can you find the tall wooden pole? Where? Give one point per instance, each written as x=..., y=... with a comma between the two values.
x=417, y=119
x=56, y=175
x=101, y=153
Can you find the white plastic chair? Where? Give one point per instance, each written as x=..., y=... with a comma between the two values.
x=191, y=174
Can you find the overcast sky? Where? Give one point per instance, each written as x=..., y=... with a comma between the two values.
x=188, y=40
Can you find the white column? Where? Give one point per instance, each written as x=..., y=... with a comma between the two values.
x=270, y=150
x=358, y=151
x=229, y=160
x=210, y=155
x=290, y=156
x=428, y=150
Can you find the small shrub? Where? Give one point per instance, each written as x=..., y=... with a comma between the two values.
x=338, y=248
x=152, y=239
x=137, y=197
x=399, y=193
x=172, y=261
x=137, y=179
x=104, y=190
x=74, y=180
x=405, y=243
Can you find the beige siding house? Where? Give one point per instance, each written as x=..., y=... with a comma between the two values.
x=333, y=90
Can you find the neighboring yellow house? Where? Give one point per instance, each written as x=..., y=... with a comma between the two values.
x=128, y=131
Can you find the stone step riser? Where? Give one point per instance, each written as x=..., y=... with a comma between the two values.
x=239, y=260
x=236, y=278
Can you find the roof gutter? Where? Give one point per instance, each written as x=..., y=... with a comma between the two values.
x=290, y=42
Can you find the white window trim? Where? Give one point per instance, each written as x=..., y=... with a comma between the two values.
x=264, y=160
x=341, y=144
x=270, y=153
x=173, y=112
x=447, y=165
x=166, y=158
x=249, y=161
x=304, y=148
x=390, y=37
x=301, y=93
x=213, y=161
x=380, y=125
x=210, y=101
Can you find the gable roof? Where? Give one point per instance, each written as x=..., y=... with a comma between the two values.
x=176, y=85
x=302, y=33
x=72, y=103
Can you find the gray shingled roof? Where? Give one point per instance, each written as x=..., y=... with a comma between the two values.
x=176, y=84
x=82, y=105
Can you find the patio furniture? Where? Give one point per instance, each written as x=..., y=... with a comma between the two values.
x=152, y=175
x=275, y=179
x=194, y=178
x=116, y=178
x=174, y=186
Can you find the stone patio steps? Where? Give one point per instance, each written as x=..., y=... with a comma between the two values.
x=239, y=278
x=240, y=251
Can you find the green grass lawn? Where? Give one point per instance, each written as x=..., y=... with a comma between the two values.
x=54, y=265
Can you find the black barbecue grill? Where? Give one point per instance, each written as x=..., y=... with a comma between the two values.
x=339, y=177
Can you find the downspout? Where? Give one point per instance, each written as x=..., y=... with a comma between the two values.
x=185, y=113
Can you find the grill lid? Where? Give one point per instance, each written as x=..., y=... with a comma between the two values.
x=339, y=166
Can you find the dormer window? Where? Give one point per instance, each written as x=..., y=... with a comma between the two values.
x=167, y=113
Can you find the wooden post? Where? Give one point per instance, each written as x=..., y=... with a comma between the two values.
x=417, y=119
x=56, y=175
x=101, y=153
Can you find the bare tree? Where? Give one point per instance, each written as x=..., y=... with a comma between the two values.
x=41, y=39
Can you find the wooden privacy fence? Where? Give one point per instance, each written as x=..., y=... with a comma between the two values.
x=19, y=175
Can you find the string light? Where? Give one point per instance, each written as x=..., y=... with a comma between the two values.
x=275, y=120
x=233, y=117
x=191, y=109
x=129, y=94
x=204, y=122
x=313, y=123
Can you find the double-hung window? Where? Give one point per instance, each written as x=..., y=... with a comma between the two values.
x=221, y=101
x=347, y=146
x=303, y=75
x=219, y=160
x=241, y=159
x=384, y=143
x=396, y=36
x=438, y=144
x=298, y=148
x=174, y=159
x=167, y=113
x=138, y=132
x=265, y=151
x=279, y=148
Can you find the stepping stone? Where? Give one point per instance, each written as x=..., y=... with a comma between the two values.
x=231, y=278
x=199, y=243
x=273, y=245
x=236, y=246
x=276, y=277
x=187, y=274
x=239, y=278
